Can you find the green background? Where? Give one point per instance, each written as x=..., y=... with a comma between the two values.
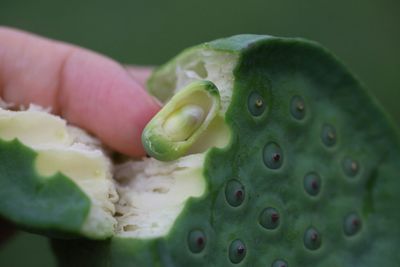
x=364, y=34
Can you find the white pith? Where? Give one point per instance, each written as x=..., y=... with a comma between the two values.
x=210, y=65
x=139, y=199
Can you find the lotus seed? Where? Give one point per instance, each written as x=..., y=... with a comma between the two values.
x=181, y=124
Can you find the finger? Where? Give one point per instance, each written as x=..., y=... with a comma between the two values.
x=139, y=73
x=89, y=90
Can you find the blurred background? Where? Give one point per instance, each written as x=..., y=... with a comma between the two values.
x=365, y=35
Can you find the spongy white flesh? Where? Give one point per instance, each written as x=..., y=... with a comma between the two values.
x=153, y=193
x=59, y=149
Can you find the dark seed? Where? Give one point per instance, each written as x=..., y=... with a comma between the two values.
x=269, y=218
x=237, y=251
x=312, y=239
x=256, y=104
x=272, y=156
x=312, y=183
x=297, y=107
x=200, y=241
x=352, y=224
x=196, y=241
x=328, y=135
x=234, y=193
x=276, y=157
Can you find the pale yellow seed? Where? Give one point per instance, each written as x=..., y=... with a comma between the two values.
x=181, y=124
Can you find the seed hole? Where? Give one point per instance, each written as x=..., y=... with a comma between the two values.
x=312, y=239
x=256, y=104
x=312, y=183
x=350, y=167
x=352, y=224
x=196, y=241
x=272, y=156
x=269, y=218
x=234, y=193
x=237, y=251
x=328, y=135
x=297, y=107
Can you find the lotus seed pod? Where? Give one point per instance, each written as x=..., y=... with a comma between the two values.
x=267, y=152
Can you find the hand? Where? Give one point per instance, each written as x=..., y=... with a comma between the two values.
x=87, y=89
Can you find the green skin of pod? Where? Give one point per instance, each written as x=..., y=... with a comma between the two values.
x=278, y=69
x=54, y=205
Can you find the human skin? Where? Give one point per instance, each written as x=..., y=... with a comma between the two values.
x=89, y=90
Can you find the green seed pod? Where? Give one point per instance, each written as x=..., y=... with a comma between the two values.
x=246, y=119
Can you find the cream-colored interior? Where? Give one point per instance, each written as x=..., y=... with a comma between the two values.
x=137, y=198
x=150, y=203
x=203, y=64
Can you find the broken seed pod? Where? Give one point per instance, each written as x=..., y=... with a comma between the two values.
x=184, y=212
